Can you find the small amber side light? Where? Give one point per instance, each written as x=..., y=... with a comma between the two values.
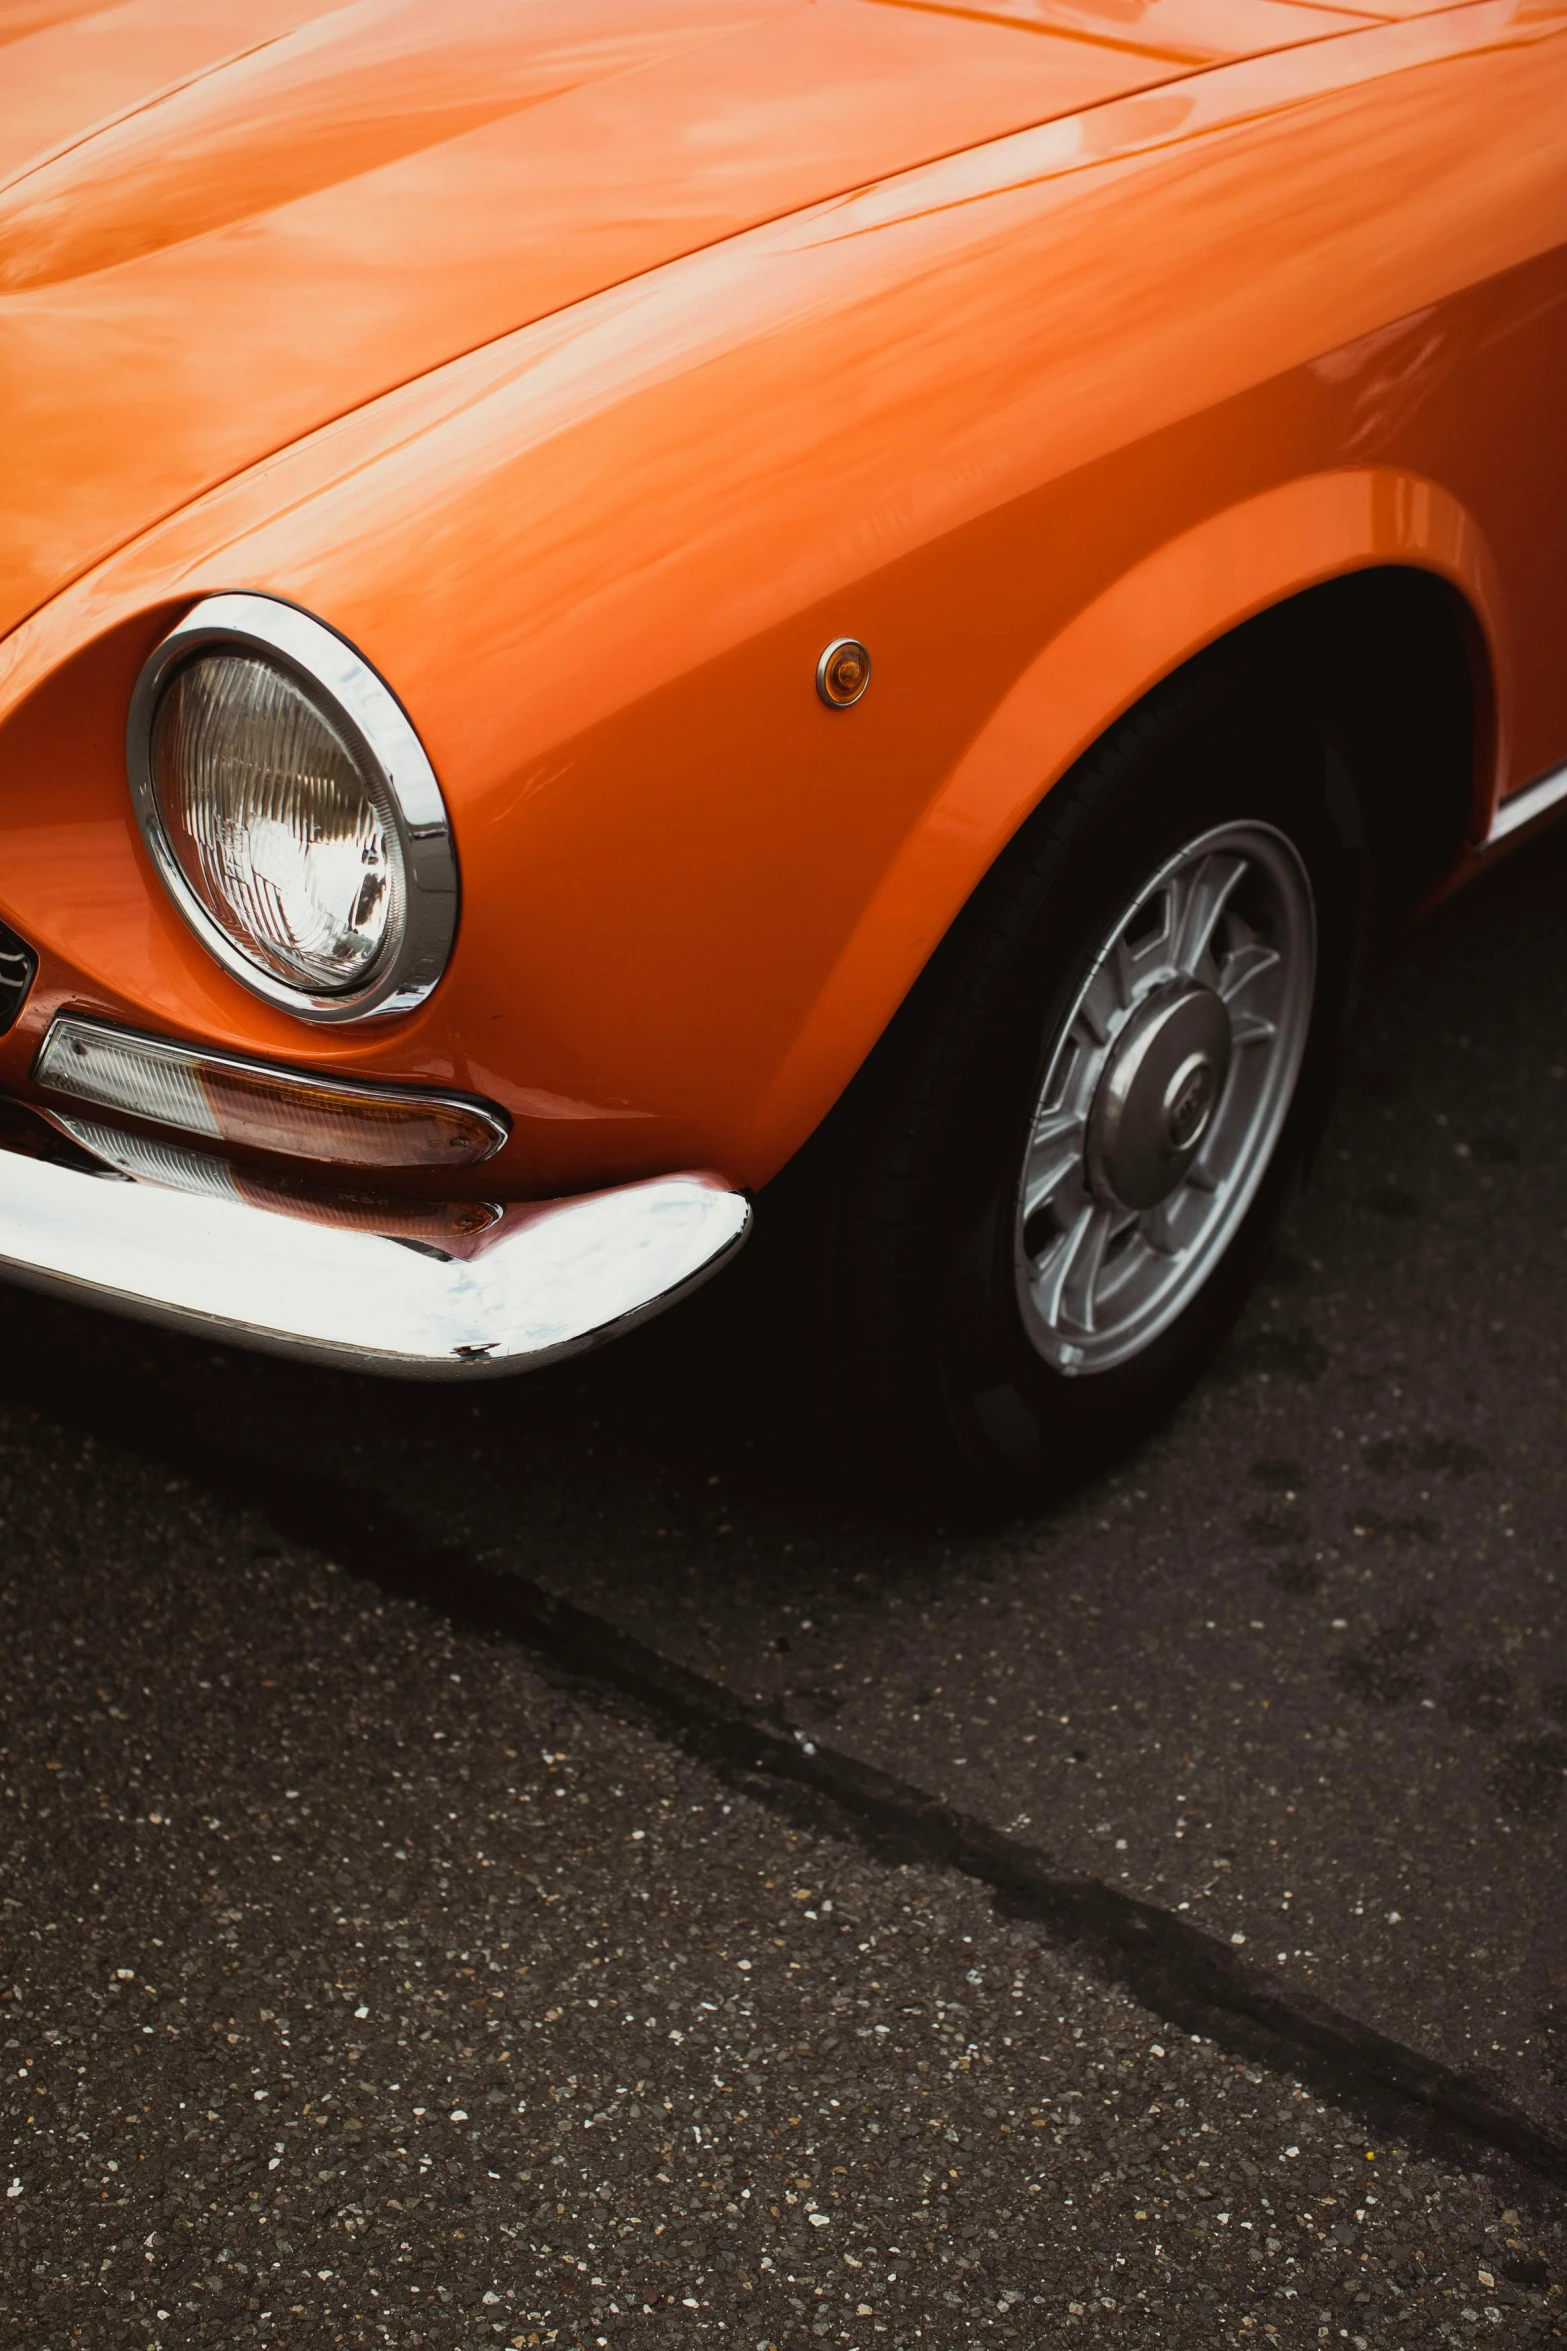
x=843, y=673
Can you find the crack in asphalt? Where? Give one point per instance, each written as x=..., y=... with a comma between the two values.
x=1178, y=1971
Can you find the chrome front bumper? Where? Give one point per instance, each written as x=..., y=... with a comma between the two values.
x=548, y=1279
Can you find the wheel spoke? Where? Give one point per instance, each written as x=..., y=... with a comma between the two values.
x=1155, y=939
x=1055, y=1153
x=1082, y=1263
x=1158, y=1228
x=1047, y=1277
x=1202, y=896
x=1100, y=1003
x=1121, y=968
x=1246, y=964
x=1248, y=1028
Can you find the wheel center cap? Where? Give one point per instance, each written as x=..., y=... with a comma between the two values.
x=1158, y=1095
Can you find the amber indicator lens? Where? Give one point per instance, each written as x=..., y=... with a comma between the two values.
x=843, y=672
x=261, y=1109
x=282, y=830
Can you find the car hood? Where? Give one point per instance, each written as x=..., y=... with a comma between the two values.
x=225, y=222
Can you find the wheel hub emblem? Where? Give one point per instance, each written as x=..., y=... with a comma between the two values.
x=1189, y=1101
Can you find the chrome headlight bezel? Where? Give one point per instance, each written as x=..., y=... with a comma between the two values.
x=378, y=731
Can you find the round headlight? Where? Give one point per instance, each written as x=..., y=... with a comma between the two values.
x=290, y=809
x=289, y=845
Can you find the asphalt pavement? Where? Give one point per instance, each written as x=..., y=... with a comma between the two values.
x=540, y=1863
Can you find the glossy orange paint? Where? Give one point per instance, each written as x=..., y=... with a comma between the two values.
x=591, y=379
x=273, y=218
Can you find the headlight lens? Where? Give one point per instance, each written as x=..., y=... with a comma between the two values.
x=281, y=834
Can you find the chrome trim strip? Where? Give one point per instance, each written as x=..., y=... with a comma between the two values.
x=378, y=726
x=52, y=1070
x=551, y=1279
x=1523, y=807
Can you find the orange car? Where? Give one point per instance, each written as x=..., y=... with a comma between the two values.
x=589, y=588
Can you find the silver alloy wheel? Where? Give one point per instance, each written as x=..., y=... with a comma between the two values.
x=1164, y=1097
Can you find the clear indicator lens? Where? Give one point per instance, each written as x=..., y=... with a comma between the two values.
x=260, y=1109
x=279, y=832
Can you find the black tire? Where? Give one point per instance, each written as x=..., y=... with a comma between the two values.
x=940, y=1393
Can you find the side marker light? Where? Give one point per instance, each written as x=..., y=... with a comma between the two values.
x=843, y=673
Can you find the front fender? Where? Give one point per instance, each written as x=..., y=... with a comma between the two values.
x=1167, y=607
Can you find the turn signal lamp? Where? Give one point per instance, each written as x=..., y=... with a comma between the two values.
x=260, y=1109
